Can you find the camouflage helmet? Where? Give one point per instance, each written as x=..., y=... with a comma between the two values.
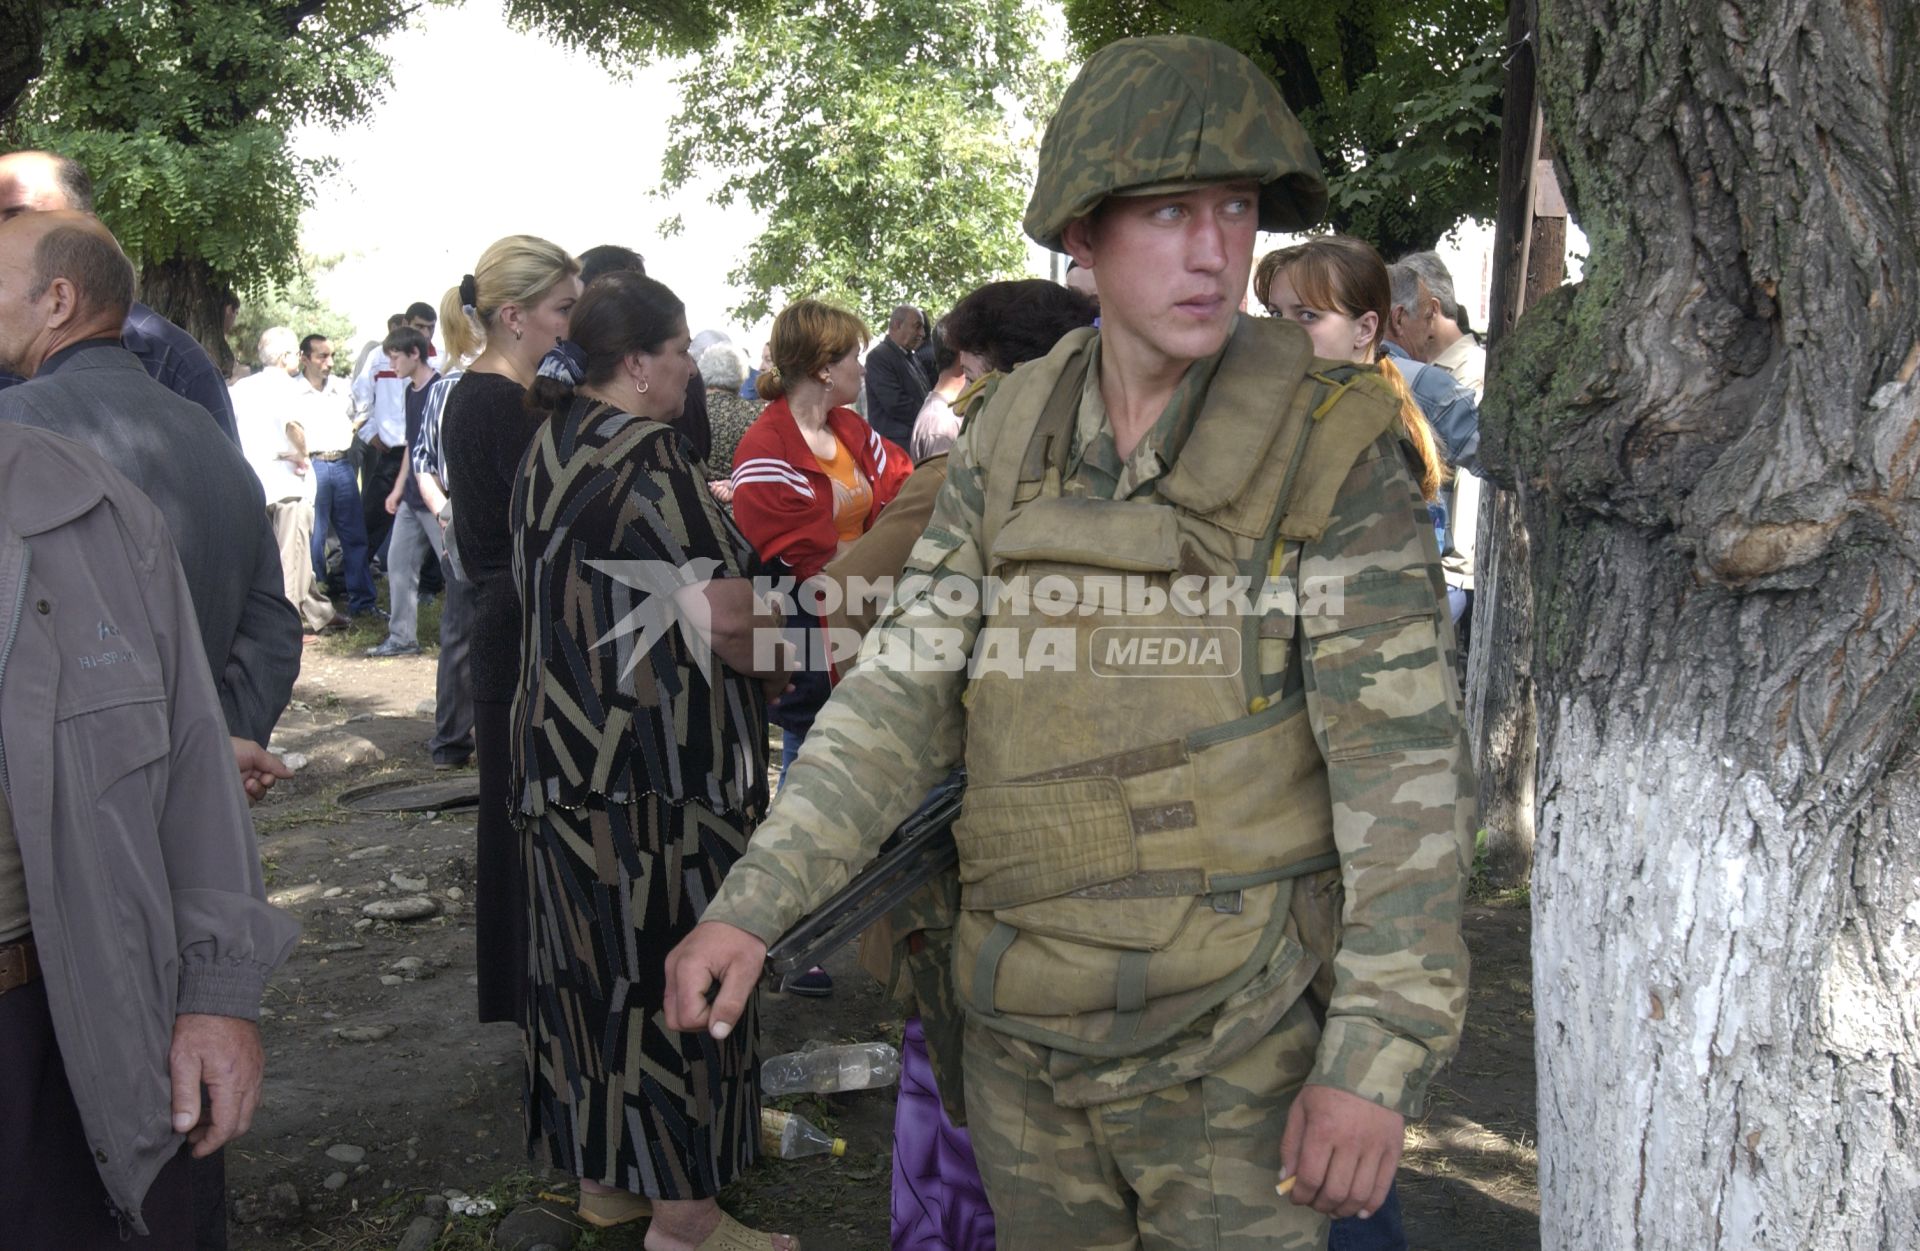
x=1172, y=111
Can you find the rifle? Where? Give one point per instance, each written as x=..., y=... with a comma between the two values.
x=920, y=850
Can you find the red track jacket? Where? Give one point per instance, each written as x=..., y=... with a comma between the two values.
x=783, y=500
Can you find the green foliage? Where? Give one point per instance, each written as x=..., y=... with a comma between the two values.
x=183, y=112
x=1402, y=100
x=297, y=304
x=890, y=146
x=622, y=34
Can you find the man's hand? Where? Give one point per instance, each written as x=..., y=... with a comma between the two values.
x=722, y=489
x=714, y=952
x=223, y=1054
x=1342, y=1150
x=393, y=504
x=259, y=768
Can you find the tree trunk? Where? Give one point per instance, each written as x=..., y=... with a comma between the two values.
x=1500, y=711
x=186, y=293
x=1719, y=435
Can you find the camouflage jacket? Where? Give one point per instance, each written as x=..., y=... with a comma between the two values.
x=890, y=732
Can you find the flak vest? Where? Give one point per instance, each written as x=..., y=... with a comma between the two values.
x=1144, y=785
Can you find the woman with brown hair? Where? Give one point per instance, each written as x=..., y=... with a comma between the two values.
x=639, y=772
x=517, y=300
x=810, y=476
x=1336, y=287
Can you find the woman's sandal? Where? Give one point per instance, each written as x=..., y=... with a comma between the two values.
x=731, y=1235
x=619, y=1208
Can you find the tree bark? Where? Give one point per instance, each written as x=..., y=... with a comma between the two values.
x=189, y=294
x=1719, y=436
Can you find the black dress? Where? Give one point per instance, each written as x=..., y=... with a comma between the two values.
x=485, y=432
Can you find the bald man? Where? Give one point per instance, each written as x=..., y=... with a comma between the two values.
x=43, y=182
x=65, y=287
x=896, y=387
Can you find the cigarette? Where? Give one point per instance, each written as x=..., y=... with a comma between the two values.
x=1286, y=1186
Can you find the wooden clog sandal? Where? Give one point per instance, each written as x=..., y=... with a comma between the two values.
x=620, y=1208
x=731, y=1235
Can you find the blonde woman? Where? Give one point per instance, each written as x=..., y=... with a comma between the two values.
x=517, y=299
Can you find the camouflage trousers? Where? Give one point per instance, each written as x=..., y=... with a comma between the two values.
x=1188, y=1168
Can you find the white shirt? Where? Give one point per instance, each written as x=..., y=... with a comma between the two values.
x=380, y=396
x=327, y=414
x=263, y=404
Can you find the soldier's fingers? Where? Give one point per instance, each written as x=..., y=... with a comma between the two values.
x=1290, y=1143
x=1362, y=1189
x=1316, y=1152
x=1383, y=1177
x=687, y=983
x=736, y=987
x=1334, y=1196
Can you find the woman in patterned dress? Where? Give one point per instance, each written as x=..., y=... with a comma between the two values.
x=639, y=771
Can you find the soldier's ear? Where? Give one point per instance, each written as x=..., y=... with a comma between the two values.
x=1078, y=238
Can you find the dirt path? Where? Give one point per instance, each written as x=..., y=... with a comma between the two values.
x=383, y=1093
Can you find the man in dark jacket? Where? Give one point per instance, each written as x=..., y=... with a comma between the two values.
x=896, y=386
x=64, y=290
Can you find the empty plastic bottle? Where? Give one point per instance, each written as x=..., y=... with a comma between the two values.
x=790, y=1136
x=828, y=1070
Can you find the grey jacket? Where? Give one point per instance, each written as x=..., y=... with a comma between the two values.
x=143, y=881
x=98, y=394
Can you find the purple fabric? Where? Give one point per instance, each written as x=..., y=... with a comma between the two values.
x=938, y=1201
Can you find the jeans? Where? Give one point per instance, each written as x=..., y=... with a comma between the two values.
x=337, y=504
x=1380, y=1232
x=414, y=534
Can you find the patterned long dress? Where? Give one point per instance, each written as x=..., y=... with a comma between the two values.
x=637, y=782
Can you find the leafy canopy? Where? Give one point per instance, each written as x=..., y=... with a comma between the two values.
x=1402, y=100
x=182, y=113
x=890, y=145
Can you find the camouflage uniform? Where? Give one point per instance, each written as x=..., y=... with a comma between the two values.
x=1152, y=1116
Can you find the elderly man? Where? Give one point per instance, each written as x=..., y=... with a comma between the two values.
x=265, y=405
x=1207, y=931
x=1429, y=323
x=135, y=937
x=64, y=291
x=896, y=385
x=40, y=182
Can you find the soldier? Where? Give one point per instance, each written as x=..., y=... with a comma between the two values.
x=1208, y=934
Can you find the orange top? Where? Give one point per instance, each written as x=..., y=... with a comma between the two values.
x=852, y=493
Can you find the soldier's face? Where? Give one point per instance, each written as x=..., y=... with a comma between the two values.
x=1172, y=267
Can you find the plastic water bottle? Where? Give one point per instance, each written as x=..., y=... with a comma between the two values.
x=790, y=1136
x=829, y=1070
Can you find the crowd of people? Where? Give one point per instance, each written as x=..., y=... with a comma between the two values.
x=1202, y=953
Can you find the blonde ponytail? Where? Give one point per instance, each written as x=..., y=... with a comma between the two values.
x=1418, y=432
x=464, y=337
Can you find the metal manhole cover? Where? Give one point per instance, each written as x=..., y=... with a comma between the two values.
x=415, y=795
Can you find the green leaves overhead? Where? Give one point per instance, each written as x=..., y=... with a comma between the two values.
x=183, y=113
x=889, y=144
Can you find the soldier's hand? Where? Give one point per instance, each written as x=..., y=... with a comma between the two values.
x=714, y=954
x=1341, y=1150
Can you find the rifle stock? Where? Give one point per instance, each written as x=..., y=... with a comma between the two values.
x=918, y=851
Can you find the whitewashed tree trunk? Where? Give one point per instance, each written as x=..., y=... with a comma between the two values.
x=1720, y=435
